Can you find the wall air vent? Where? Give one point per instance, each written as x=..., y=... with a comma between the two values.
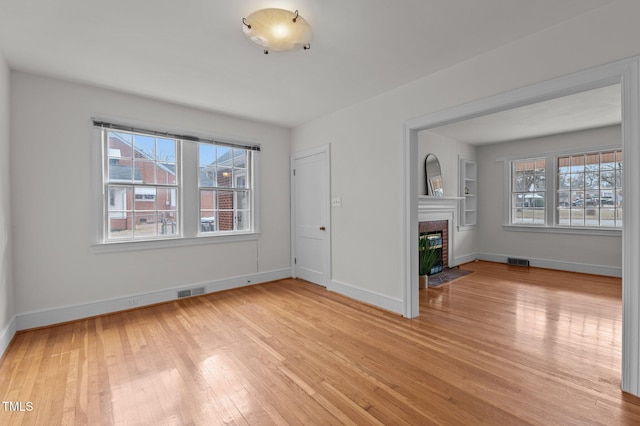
x=191, y=292
x=184, y=293
x=517, y=262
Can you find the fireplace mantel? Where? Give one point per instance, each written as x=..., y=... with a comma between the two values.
x=427, y=203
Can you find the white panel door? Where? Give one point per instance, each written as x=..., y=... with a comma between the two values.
x=310, y=205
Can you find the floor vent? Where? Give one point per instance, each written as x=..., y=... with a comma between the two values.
x=190, y=292
x=517, y=262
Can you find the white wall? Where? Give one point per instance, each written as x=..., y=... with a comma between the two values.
x=563, y=251
x=55, y=266
x=448, y=152
x=7, y=312
x=367, y=138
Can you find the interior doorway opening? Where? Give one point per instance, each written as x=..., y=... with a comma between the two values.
x=624, y=73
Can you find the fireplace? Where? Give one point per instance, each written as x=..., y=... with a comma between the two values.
x=438, y=233
x=434, y=242
x=439, y=214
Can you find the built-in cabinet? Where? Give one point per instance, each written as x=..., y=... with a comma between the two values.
x=469, y=192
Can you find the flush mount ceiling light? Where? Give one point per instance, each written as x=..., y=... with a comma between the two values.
x=277, y=30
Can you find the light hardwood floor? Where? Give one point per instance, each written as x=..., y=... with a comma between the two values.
x=501, y=346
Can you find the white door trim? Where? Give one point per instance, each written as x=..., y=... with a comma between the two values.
x=326, y=149
x=625, y=72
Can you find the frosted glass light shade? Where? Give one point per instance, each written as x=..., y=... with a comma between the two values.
x=277, y=30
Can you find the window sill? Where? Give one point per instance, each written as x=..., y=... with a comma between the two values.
x=609, y=232
x=123, y=246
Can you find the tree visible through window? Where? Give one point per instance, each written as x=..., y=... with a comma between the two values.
x=528, y=191
x=590, y=189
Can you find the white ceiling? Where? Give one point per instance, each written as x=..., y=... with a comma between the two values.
x=581, y=111
x=193, y=52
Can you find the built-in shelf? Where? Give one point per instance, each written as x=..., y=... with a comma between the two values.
x=469, y=193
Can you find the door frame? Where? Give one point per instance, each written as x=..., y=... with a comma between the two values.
x=626, y=72
x=326, y=150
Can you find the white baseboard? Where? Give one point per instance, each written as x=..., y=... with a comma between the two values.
x=367, y=296
x=610, y=271
x=459, y=260
x=6, y=335
x=69, y=313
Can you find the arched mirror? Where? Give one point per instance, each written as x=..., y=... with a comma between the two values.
x=433, y=175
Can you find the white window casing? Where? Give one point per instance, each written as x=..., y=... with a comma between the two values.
x=180, y=209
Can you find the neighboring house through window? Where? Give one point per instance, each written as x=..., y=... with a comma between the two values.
x=224, y=188
x=142, y=184
x=144, y=188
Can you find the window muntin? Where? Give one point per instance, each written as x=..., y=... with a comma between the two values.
x=224, y=185
x=141, y=185
x=528, y=191
x=589, y=190
x=144, y=170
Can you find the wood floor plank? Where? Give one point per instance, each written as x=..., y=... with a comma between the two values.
x=502, y=345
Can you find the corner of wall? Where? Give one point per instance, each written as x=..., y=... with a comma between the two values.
x=7, y=314
x=6, y=335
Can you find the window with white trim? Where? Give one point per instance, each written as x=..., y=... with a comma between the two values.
x=590, y=189
x=569, y=190
x=142, y=184
x=147, y=175
x=225, y=193
x=528, y=191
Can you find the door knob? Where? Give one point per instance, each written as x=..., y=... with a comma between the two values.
x=322, y=228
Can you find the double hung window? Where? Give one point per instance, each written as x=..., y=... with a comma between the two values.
x=142, y=183
x=573, y=190
x=590, y=189
x=528, y=191
x=225, y=194
x=148, y=175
